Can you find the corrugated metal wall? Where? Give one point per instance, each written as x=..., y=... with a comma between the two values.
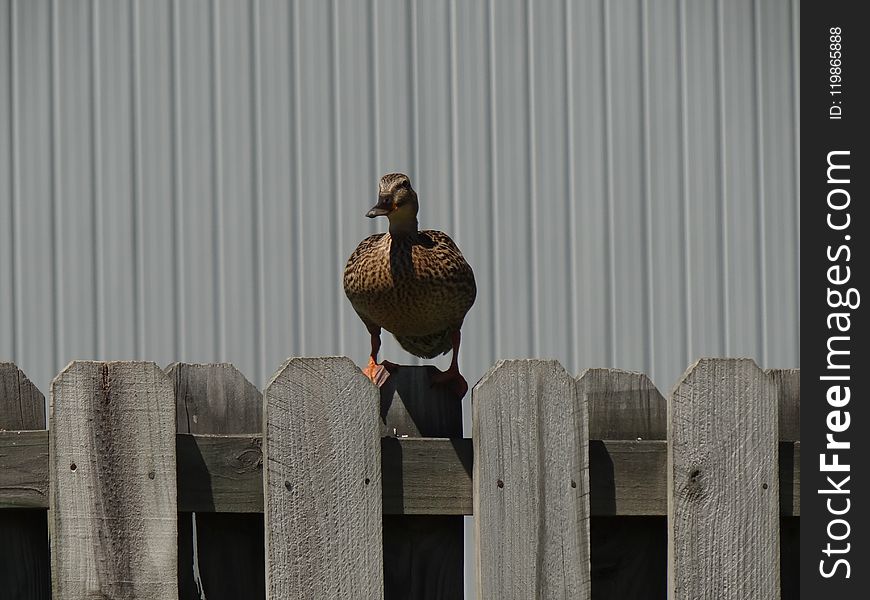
x=184, y=180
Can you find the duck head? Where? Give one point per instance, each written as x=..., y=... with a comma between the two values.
x=397, y=201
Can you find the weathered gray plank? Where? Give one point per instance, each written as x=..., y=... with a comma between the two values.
x=422, y=554
x=626, y=554
x=723, y=488
x=411, y=406
x=113, y=482
x=220, y=473
x=230, y=558
x=322, y=482
x=623, y=405
x=531, y=486
x=788, y=390
x=22, y=406
x=420, y=476
x=628, y=477
x=24, y=559
x=426, y=476
x=790, y=479
x=215, y=398
x=24, y=469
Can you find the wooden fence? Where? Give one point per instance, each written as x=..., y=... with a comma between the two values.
x=161, y=482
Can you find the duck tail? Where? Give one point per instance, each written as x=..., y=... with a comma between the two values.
x=426, y=346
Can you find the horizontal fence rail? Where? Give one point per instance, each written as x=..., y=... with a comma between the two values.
x=421, y=476
x=145, y=469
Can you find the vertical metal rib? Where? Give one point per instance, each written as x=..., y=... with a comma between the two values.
x=684, y=172
x=610, y=250
x=760, y=224
x=647, y=205
x=570, y=152
x=796, y=150
x=532, y=166
x=296, y=121
x=258, y=253
x=335, y=126
x=14, y=184
x=724, y=259
x=493, y=183
x=96, y=174
x=136, y=172
x=454, y=112
x=375, y=131
x=217, y=182
x=57, y=288
x=414, y=109
x=177, y=222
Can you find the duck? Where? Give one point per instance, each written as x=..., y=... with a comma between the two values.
x=412, y=283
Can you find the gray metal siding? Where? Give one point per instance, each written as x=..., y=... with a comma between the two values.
x=184, y=180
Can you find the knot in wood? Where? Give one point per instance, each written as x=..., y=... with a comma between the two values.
x=694, y=489
x=249, y=459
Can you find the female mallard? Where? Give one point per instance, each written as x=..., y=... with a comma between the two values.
x=415, y=284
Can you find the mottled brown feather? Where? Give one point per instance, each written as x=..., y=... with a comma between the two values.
x=416, y=286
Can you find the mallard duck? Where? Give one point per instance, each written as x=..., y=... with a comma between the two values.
x=415, y=284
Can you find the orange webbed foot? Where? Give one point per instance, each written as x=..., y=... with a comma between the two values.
x=379, y=373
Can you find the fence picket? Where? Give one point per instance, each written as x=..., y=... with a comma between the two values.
x=626, y=554
x=22, y=406
x=113, y=482
x=422, y=553
x=723, y=484
x=230, y=558
x=788, y=387
x=322, y=482
x=24, y=562
x=623, y=405
x=531, y=486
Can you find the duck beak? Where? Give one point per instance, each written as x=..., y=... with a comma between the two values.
x=381, y=209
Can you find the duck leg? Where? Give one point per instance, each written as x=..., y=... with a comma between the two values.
x=452, y=377
x=378, y=373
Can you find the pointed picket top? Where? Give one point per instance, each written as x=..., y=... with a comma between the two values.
x=215, y=398
x=723, y=482
x=322, y=481
x=623, y=405
x=22, y=405
x=228, y=560
x=531, y=482
x=412, y=406
x=113, y=481
x=24, y=557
